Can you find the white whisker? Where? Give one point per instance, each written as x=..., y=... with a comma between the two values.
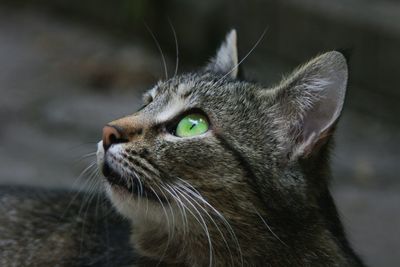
x=176, y=47
x=159, y=50
x=168, y=223
x=268, y=227
x=182, y=207
x=245, y=57
x=198, y=196
x=203, y=223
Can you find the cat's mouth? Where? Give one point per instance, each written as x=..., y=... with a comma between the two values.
x=115, y=179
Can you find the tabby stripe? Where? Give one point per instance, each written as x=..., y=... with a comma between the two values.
x=244, y=164
x=135, y=161
x=144, y=156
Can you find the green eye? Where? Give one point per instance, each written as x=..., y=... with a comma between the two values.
x=192, y=125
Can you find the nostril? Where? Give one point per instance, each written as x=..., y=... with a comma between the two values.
x=112, y=135
x=112, y=139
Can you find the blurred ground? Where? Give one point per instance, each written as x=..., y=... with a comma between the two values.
x=60, y=82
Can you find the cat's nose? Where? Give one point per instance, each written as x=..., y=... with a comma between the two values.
x=112, y=135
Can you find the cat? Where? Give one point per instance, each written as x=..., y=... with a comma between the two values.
x=213, y=170
x=218, y=171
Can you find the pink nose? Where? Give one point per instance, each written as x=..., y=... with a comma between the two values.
x=111, y=135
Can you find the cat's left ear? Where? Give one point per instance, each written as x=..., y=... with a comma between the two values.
x=310, y=101
x=225, y=62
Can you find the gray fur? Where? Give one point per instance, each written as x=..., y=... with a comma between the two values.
x=263, y=166
x=59, y=228
x=253, y=190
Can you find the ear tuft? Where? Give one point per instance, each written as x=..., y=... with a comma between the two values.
x=226, y=60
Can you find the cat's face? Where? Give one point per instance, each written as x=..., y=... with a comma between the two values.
x=207, y=145
x=171, y=160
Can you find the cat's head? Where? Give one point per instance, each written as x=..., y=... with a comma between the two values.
x=207, y=145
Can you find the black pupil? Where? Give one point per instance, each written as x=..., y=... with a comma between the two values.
x=194, y=124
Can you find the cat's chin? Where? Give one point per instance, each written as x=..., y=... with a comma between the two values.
x=136, y=209
x=123, y=201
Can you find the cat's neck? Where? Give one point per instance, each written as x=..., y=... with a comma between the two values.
x=318, y=240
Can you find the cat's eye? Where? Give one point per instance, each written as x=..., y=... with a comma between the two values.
x=192, y=125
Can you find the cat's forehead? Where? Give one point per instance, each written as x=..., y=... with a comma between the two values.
x=172, y=97
x=197, y=87
x=211, y=94
x=187, y=85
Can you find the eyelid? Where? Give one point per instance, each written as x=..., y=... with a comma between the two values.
x=184, y=113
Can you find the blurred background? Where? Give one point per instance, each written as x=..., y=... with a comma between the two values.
x=67, y=67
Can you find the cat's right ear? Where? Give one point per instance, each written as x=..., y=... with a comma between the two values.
x=225, y=62
x=309, y=102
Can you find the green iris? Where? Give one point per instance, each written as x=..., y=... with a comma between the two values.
x=192, y=125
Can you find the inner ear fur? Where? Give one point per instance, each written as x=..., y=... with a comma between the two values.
x=310, y=101
x=225, y=62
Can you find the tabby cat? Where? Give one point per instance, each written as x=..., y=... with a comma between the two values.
x=212, y=171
